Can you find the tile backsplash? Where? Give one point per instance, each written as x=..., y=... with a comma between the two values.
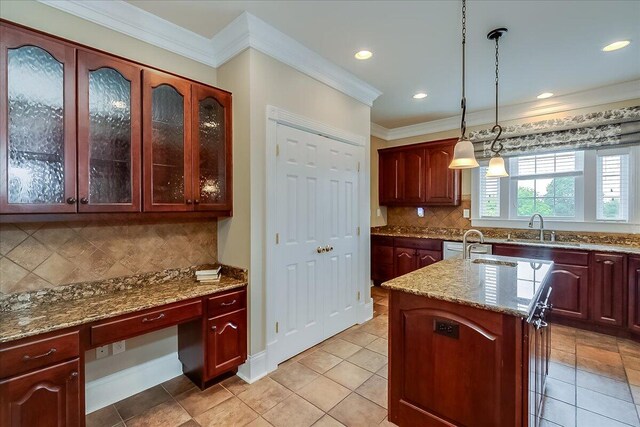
x=43, y=255
x=436, y=216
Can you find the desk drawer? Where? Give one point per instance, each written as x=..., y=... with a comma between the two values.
x=38, y=353
x=138, y=324
x=226, y=303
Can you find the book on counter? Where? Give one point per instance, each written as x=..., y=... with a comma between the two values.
x=208, y=275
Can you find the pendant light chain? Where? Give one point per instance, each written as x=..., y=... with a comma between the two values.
x=496, y=146
x=463, y=103
x=497, y=64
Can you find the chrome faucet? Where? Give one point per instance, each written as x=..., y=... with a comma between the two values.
x=466, y=251
x=541, y=224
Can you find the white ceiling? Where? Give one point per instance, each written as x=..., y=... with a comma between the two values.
x=551, y=46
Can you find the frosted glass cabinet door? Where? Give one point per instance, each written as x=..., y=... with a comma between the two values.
x=167, y=142
x=37, y=124
x=109, y=146
x=211, y=130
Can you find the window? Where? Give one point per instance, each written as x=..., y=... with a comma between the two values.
x=546, y=184
x=612, y=187
x=590, y=190
x=489, y=195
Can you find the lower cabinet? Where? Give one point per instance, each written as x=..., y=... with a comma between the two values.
x=392, y=257
x=226, y=342
x=608, y=286
x=381, y=259
x=46, y=397
x=405, y=261
x=634, y=293
x=426, y=257
x=570, y=285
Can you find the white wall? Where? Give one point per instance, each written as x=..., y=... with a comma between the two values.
x=271, y=83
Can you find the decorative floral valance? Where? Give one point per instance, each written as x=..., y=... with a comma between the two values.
x=611, y=128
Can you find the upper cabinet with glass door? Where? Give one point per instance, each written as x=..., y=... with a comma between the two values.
x=37, y=123
x=109, y=158
x=211, y=141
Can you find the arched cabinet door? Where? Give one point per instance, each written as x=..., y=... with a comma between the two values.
x=166, y=136
x=109, y=139
x=49, y=397
x=37, y=123
x=226, y=342
x=211, y=148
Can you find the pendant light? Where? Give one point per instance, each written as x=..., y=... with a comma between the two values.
x=496, y=164
x=463, y=154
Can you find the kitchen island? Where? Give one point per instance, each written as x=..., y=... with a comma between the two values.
x=468, y=344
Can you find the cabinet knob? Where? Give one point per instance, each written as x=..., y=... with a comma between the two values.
x=196, y=201
x=74, y=374
x=84, y=200
x=189, y=201
x=71, y=200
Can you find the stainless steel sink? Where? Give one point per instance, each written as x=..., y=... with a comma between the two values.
x=495, y=262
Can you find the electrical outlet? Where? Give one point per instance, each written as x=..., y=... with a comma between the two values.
x=118, y=347
x=466, y=213
x=102, y=352
x=378, y=212
x=421, y=212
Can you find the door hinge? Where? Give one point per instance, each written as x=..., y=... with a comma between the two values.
x=277, y=150
x=277, y=238
x=358, y=166
x=277, y=327
x=358, y=231
x=358, y=295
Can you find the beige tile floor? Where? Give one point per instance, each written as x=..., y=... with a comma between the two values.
x=594, y=381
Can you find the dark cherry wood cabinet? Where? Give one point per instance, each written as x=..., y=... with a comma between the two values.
x=442, y=185
x=37, y=123
x=226, y=342
x=608, y=286
x=394, y=256
x=45, y=397
x=109, y=134
x=634, y=293
x=166, y=124
x=419, y=175
x=87, y=135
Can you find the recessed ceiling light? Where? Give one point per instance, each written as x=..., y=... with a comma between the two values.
x=363, y=54
x=545, y=95
x=419, y=95
x=616, y=45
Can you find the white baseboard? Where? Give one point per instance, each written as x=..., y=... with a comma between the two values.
x=254, y=368
x=115, y=387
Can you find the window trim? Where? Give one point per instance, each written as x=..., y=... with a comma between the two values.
x=588, y=221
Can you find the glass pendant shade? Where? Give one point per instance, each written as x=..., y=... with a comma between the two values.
x=463, y=155
x=496, y=168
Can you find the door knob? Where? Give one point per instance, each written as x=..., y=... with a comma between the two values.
x=328, y=248
x=320, y=249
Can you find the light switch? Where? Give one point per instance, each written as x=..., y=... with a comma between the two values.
x=466, y=213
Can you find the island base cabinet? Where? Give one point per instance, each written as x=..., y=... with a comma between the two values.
x=455, y=365
x=48, y=397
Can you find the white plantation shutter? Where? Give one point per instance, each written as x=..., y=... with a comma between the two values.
x=568, y=163
x=489, y=195
x=613, y=187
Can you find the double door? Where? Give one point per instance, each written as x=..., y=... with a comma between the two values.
x=317, y=251
x=73, y=122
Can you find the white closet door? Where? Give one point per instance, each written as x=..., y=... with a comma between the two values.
x=341, y=225
x=299, y=271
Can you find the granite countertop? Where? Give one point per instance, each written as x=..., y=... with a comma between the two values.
x=509, y=285
x=58, y=314
x=456, y=236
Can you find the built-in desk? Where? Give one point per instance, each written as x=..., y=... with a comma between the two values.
x=42, y=346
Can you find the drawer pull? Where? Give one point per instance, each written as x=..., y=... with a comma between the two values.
x=227, y=304
x=229, y=324
x=26, y=357
x=153, y=319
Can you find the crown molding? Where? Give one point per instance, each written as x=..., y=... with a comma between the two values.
x=590, y=98
x=127, y=19
x=246, y=31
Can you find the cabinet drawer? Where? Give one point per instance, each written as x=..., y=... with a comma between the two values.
x=416, y=243
x=142, y=323
x=226, y=303
x=381, y=240
x=35, y=354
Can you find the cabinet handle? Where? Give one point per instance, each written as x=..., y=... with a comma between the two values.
x=71, y=200
x=84, y=200
x=196, y=201
x=26, y=357
x=227, y=304
x=229, y=324
x=146, y=319
x=189, y=201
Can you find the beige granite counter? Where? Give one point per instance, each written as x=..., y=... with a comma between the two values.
x=506, y=285
x=54, y=313
x=628, y=244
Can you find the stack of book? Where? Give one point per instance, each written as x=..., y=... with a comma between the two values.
x=207, y=276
